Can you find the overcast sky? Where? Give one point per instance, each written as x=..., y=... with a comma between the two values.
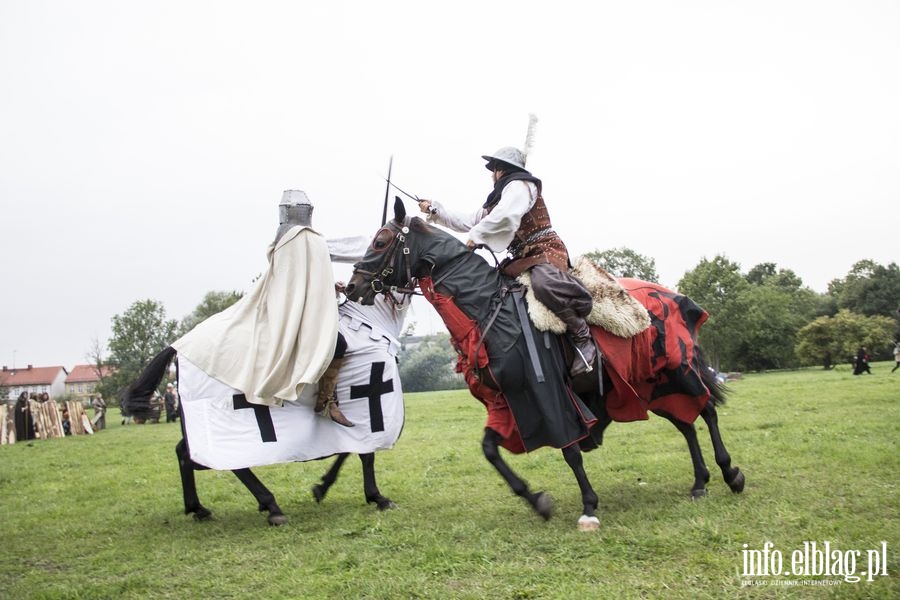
x=144, y=146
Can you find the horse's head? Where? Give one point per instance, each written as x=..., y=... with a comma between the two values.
x=404, y=249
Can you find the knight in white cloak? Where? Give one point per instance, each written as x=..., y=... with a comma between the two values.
x=283, y=334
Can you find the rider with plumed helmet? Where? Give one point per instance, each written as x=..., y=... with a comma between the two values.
x=515, y=218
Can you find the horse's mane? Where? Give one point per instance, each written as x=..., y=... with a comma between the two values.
x=419, y=225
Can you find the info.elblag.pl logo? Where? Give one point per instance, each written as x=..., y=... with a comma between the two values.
x=813, y=560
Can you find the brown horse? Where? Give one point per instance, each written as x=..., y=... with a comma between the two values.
x=521, y=375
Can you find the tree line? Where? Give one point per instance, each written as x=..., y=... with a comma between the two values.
x=759, y=320
x=767, y=319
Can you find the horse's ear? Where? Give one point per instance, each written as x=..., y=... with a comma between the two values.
x=399, y=210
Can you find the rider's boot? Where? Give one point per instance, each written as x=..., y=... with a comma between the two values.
x=326, y=400
x=580, y=333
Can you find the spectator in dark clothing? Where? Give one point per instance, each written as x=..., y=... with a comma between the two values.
x=171, y=404
x=862, y=362
x=23, y=419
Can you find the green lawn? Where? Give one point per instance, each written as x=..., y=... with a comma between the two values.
x=101, y=516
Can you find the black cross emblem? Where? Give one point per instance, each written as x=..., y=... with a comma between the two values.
x=263, y=417
x=374, y=391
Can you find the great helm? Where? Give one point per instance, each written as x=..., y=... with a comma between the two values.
x=508, y=155
x=295, y=208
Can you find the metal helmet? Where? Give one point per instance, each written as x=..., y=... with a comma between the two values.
x=508, y=155
x=294, y=209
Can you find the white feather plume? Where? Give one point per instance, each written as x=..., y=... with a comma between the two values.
x=529, y=136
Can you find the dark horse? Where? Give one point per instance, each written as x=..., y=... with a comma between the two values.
x=510, y=366
x=137, y=395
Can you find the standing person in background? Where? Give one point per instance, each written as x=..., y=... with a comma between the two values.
x=23, y=419
x=171, y=406
x=156, y=405
x=862, y=362
x=896, y=356
x=66, y=423
x=99, y=405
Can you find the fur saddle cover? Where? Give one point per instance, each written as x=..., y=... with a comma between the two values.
x=615, y=310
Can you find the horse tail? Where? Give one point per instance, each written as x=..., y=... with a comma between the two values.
x=137, y=394
x=717, y=390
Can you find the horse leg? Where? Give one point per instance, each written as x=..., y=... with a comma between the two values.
x=189, y=484
x=600, y=428
x=701, y=473
x=540, y=502
x=369, y=485
x=588, y=520
x=732, y=475
x=321, y=489
x=263, y=496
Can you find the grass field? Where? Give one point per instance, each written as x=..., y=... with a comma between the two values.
x=101, y=516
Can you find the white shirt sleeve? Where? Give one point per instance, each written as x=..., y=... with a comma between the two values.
x=497, y=228
x=452, y=220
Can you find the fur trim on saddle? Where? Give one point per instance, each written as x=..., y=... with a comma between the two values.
x=615, y=310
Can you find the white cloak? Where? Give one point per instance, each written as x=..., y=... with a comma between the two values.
x=281, y=335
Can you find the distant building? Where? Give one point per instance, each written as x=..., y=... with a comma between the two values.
x=83, y=380
x=32, y=379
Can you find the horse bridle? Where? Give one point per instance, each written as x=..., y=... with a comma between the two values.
x=397, y=252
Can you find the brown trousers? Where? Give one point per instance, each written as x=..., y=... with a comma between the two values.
x=557, y=290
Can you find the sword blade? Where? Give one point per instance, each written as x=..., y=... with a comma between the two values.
x=407, y=194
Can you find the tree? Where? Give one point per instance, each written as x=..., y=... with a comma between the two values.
x=94, y=357
x=212, y=303
x=769, y=329
x=624, y=262
x=868, y=289
x=769, y=274
x=138, y=335
x=828, y=341
x=777, y=307
x=429, y=366
x=758, y=274
x=719, y=288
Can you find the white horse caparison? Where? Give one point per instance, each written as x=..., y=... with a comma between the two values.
x=389, y=314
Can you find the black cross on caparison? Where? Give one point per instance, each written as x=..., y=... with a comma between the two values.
x=374, y=391
x=263, y=417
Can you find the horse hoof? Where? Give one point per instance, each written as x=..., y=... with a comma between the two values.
x=543, y=505
x=202, y=514
x=318, y=493
x=737, y=482
x=698, y=494
x=386, y=504
x=586, y=523
x=276, y=520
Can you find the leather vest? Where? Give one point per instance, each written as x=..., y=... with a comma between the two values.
x=535, y=242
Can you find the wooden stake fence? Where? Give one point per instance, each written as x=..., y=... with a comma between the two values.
x=7, y=424
x=48, y=421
